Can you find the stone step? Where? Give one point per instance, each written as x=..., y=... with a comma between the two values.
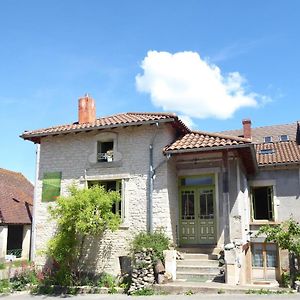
x=198, y=262
x=200, y=256
x=197, y=269
x=195, y=277
x=201, y=250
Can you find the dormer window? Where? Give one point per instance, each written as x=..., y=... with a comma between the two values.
x=105, y=151
x=267, y=139
x=283, y=138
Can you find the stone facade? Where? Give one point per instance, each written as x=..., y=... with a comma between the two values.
x=75, y=157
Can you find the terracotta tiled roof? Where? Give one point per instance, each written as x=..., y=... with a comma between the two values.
x=123, y=119
x=16, y=198
x=258, y=133
x=278, y=153
x=203, y=140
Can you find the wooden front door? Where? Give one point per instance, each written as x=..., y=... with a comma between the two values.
x=197, y=216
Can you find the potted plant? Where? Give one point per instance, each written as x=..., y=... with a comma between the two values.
x=109, y=155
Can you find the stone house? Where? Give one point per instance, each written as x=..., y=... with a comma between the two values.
x=16, y=198
x=208, y=191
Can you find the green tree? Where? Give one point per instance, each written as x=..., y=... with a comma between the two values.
x=85, y=212
x=287, y=236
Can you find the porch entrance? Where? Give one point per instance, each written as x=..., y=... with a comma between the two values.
x=197, y=211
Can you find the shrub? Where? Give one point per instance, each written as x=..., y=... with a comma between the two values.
x=157, y=241
x=4, y=286
x=21, y=280
x=85, y=212
x=144, y=292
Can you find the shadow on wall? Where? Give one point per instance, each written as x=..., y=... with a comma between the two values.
x=97, y=254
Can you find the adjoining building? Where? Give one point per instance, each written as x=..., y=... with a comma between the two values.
x=16, y=199
x=208, y=191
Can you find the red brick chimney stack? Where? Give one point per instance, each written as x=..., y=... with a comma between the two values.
x=247, y=128
x=86, y=110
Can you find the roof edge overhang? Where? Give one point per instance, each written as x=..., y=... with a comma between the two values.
x=275, y=165
x=37, y=137
x=205, y=149
x=249, y=146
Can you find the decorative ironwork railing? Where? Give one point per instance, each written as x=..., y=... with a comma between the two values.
x=105, y=157
x=16, y=252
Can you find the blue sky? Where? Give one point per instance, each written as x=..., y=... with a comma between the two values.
x=52, y=52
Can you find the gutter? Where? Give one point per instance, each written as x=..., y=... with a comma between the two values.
x=63, y=132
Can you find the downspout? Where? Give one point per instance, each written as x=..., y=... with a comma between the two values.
x=151, y=182
x=226, y=200
x=33, y=222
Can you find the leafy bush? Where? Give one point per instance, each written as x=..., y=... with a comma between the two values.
x=157, y=241
x=107, y=280
x=285, y=279
x=4, y=286
x=144, y=292
x=21, y=280
x=85, y=212
x=2, y=266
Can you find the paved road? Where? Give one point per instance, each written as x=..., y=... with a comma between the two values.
x=163, y=297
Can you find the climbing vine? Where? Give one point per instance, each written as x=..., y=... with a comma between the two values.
x=85, y=212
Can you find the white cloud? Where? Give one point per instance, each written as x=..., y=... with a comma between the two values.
x=185, y=83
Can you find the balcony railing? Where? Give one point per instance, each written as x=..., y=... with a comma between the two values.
x=105, y=157
x=16, y=252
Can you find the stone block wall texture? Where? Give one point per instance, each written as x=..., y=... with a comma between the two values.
x=74, y=156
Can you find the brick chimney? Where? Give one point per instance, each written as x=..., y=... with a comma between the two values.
x=247, y=128
x=86, y=110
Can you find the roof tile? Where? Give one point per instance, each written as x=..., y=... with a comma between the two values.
x=16, y=198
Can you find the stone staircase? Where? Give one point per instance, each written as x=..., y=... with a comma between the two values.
x=199, y=265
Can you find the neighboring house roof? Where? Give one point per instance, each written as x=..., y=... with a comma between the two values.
x=118, y=120
x=197, y=140
x=16, y=198
x=258, y=133
x=277, y=153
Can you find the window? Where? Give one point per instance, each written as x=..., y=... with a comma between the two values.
x=111, y=185
x=105, y=151
x=201, y=180
x=267, y=151
x=284, y=138
x=267, y=139
x=264, y=255
x=262, y=203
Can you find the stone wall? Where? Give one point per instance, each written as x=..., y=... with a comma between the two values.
x=74, y=156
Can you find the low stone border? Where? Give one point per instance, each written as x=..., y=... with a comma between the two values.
x=56, y=289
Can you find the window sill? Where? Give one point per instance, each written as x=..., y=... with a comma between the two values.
x=264, y=222
x=105, y=164
x=124, y=226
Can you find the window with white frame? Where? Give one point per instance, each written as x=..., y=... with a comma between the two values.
x=283, y=138
x=262, y=203
x=105, y=151
x=267, y=139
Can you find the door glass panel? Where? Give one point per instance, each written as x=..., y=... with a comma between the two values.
x=210, y=205
x=190, y=181
x=257, y=255
x=271, y=255
x=206, y=205
x=188, y=205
